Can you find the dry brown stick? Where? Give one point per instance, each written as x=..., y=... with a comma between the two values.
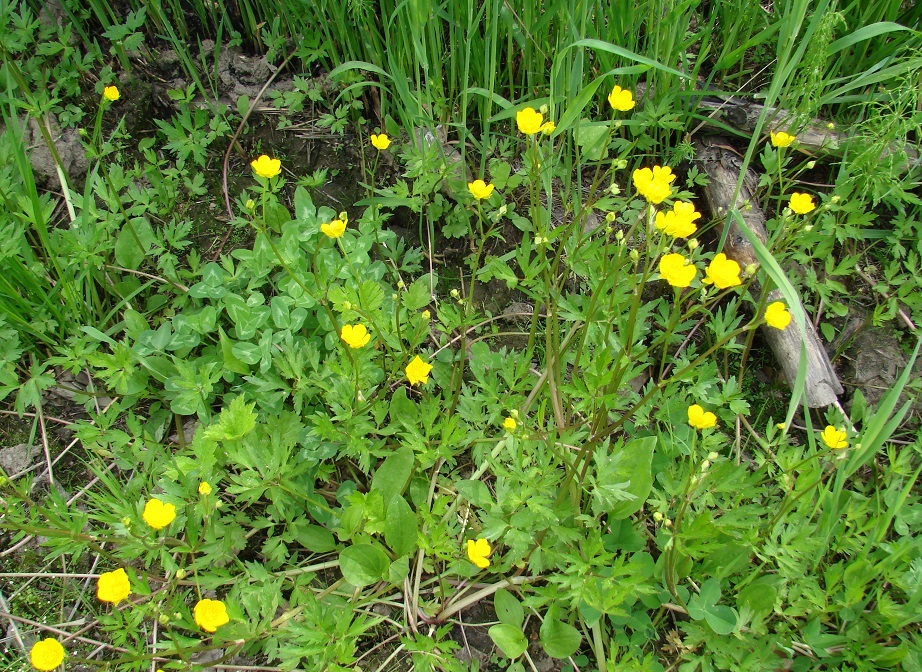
x=722, y=166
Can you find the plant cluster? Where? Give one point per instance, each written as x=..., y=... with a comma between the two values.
x=320, y=451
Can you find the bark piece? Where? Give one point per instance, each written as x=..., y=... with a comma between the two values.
x=722, y=166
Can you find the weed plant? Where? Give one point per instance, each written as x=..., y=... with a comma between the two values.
x=320, y=454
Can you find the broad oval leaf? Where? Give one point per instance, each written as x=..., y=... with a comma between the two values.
x=363, y=564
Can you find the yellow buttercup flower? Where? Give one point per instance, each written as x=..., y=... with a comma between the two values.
x=777, y=315
x=723, y=272
x=480, y=189
x=548, y=127
x=621, y=100
x=653, y=184
x=782, y=139
x=675, y=271
x=113, y=586
x=529, y=120
x=204, y=488
x=699, y=418
x=834, y=438
x=210, y=614
x=510, y=424
x=157, y=514
x=418, y=371
x=802, y=203
x=380, y=142
x=111, y=93
x=478, y=552
x=355, y=335
x=334, y=229
x=678, y=222
x=425, y=314
x=46, y=654
x=266, y=167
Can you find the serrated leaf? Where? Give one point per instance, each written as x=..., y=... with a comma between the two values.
x=510, y=639
x=363, y=564
x=236, y=421
x=418, y=294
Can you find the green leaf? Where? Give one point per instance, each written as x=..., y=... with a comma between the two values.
x=235, y=422
x=418, y=294
x=559, y=639
x=133, y=243
x=403, y=411
x=363, y=564
x=400, y=526
x=508, y=609
x=476, y=492
x=392, y=476
x=510, y=639
x=625, y=472
x=314, y=538
x=591, y=138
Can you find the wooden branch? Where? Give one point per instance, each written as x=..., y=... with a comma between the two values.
x=814, y=136
x=723, y=166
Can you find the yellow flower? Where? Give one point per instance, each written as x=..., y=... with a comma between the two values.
x=113, y=586
x=777, y=315
x=834, y=438
x=355, y=335
x=46, y=654
x=653, y=184
x=621, y=100
x=802, y=203
x=210, y=614
x=782, y=139
x=111, y=93
x=157, y=514
x=678, y=222
x=480, y=189
x=478, y=552
x=204, y=488
x=723, y=272
x=548, y=127
x=334, y=229
x=425, y=314
x=266, y=167
x=380, y=142
x=699, y=418
x=529, y=120
x=675, y=271
x=418, y=371
x=510, y=424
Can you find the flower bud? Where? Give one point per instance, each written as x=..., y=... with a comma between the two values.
x=180, y=573
x=620, y=164
x=713, y=456
x=543, y=109
x=705, y=465
x=808, y=228
x=347, y=305
x=250, y=204
x=164, y=619
x=751, y=269
x=693, y=244
x=343, y=216
x=425, y=314
x=454, y=293
x=610, y=217
x=635, y=256
x=657, y=516
x=401, y=284
x=830, y=126
x=811, y=165
x=502, y=210
x=835, y=199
